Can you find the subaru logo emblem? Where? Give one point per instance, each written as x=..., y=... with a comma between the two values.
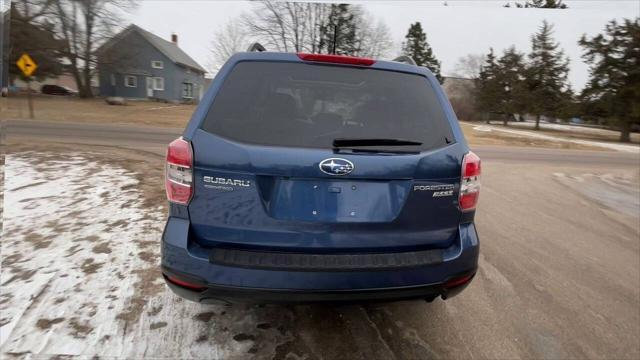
x=336, y=166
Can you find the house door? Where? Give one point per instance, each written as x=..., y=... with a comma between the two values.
x=149, y=87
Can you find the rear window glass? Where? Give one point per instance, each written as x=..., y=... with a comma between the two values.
x=310, y=105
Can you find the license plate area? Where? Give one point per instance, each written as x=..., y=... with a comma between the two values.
x=341, y=200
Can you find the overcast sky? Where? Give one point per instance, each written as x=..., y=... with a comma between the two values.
x=462, y=27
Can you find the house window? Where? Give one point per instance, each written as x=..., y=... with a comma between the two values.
x=187, y=90
x=158, y=83
x=113, y=80
x=130, y=81
x=157, y=64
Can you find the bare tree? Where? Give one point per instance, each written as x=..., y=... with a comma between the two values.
x=375, y=39
x=297, y=26
x=285, y=26
x=317, y=17
x=227, y=40
x=31, y=10
x=469, y=66
x=84, y=25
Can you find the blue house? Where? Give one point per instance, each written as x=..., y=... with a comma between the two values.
x=140, y=65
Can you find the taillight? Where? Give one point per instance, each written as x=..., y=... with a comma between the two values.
x=179, y=172
x=336, y=59
x=470, y=184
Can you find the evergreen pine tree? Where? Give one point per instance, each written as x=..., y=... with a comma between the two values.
x=338, y=32
x=417, y=47
x=546, y=75
x=541, y=4
x=511, y=84
x=487, y=87
x=545, y=4
x=613, y=90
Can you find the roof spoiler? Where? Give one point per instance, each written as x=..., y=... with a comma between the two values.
x=405, y=59
x=256, y=46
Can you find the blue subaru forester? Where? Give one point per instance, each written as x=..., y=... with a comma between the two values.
x=311, y=178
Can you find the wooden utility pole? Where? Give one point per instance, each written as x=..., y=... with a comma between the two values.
x=29, y=98
x=335, y=38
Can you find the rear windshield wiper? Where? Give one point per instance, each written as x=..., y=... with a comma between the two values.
x=356, y=150
x=338, y=143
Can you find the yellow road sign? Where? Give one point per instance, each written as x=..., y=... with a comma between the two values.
x=26, y=64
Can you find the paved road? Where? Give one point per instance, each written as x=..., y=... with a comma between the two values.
x=145, y=138
x=155, y=139
x=559, y=271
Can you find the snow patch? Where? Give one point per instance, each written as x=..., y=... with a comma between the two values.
x=522, y=133
x=80, y=269
x=482, y=128
x=618, y=192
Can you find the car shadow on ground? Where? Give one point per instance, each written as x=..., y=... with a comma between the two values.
x=331, y=331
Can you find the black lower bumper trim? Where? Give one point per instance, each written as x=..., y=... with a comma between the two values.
x=323, y=262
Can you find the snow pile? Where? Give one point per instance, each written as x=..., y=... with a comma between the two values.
x=80, y=268
x=585, y=129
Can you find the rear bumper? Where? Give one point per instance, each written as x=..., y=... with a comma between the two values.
x=217, y=294
x=220, y=282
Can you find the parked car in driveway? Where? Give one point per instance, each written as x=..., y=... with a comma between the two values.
x=309, y=178
x=57, y=90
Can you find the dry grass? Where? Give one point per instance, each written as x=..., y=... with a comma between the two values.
x=71, y=109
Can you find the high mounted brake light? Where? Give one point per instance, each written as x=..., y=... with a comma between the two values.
x=179, y=172
x=470, y=183
x=336, y=59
